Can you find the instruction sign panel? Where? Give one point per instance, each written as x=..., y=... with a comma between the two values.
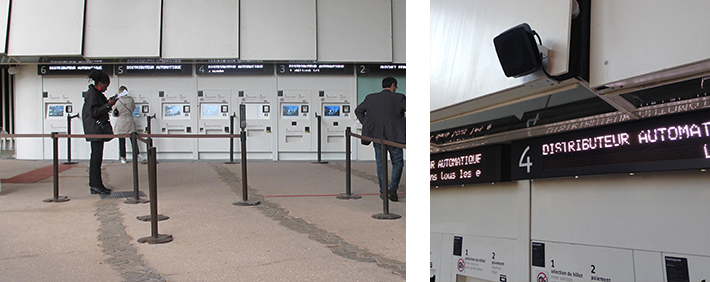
x=487, y=258
x=574, y=263
x=686, y=268
x=478, y=165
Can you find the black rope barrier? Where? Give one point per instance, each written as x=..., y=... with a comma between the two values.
x=69, y=118
x=243, y=137
x=155, y=237
x=55, y=172
x=383, y=150
x=231, y=139
x=348, y=176
x=136, y=192
x=318, y=117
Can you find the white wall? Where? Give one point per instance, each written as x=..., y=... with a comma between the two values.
x=207, y=29
x=291, y=29
x=37, y=28
x=622, y=224
x=350, y=31
x=632, y=39
x=649, y=211
x=464, y=64
x=332, y=31
x=29, y=112
x=131, y=29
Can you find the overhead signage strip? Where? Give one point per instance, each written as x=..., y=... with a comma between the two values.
x=666, y=143
x=478, y=165
x=234, y=68
x=383, y=69
x=154, y=69
x=314, y=68
x=72, y=69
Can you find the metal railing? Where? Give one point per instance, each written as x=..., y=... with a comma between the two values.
x=348, y=173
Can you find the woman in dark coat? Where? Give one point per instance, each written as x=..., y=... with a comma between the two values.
x=95, y=118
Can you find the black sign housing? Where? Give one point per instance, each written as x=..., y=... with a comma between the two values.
x=235, y=68
x=72, y=69
x=383, y=69
x=478, y=165
x=154, y=69
x=314, y=68
x=664, y=143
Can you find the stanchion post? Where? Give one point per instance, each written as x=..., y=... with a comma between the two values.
x=69, y=118
x=136, y=196
x=348, y=175
x=149, y=129
x=318, y=117
x=243, y=137
x=155, y=238
x=386, y=201
x=55, y=168
x=231, y=139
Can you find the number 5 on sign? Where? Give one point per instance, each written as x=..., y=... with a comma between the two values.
x=527, y=164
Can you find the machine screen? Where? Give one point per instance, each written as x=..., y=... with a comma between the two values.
x=211, y=111
x=55, y=110
x=172, y=111
x=331, y=111
x=137, y=111
x=290, y=110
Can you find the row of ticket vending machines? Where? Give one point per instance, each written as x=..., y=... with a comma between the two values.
x=279, y=126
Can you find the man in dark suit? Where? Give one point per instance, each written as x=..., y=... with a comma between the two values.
x=382, y=116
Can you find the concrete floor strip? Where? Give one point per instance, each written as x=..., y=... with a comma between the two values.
x=336, y=243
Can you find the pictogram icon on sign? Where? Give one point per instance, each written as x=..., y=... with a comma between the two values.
x=541, y=277
x=461, y=265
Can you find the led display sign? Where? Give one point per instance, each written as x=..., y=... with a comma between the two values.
x=314, y=68
x=392, y=69
x=478, y=165
x=234, y=68
x=72, y=69
x=154, y=69
x=665, y=143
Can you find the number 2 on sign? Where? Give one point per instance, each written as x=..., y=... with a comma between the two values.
x=527, y=164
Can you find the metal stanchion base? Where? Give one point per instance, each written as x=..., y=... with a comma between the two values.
x=348, y=197
x=386, y=216
x=246, y=203
x=160, y=239
x=134, y=201
x=70, y=162
x=147, y=217
x=57, y=200
x=231, y=162
x=319, y=162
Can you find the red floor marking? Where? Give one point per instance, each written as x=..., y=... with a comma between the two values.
x=37, y=174
x=328, y=195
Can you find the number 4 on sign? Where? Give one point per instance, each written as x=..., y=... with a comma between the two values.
x=527, y=164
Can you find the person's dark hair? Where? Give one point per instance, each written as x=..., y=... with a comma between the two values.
x=388, y=81
x=99, y=76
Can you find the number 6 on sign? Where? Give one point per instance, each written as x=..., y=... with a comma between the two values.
x=527, y=164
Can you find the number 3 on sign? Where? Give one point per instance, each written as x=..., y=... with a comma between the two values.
x=527, y=164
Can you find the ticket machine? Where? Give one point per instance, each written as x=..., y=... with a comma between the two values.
x=214, y=112
x=260, y=123
x=294, y=124
x=176, y=116
x=56, y=110
x=60, y=98
x=337, y=113
x=142, y=110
